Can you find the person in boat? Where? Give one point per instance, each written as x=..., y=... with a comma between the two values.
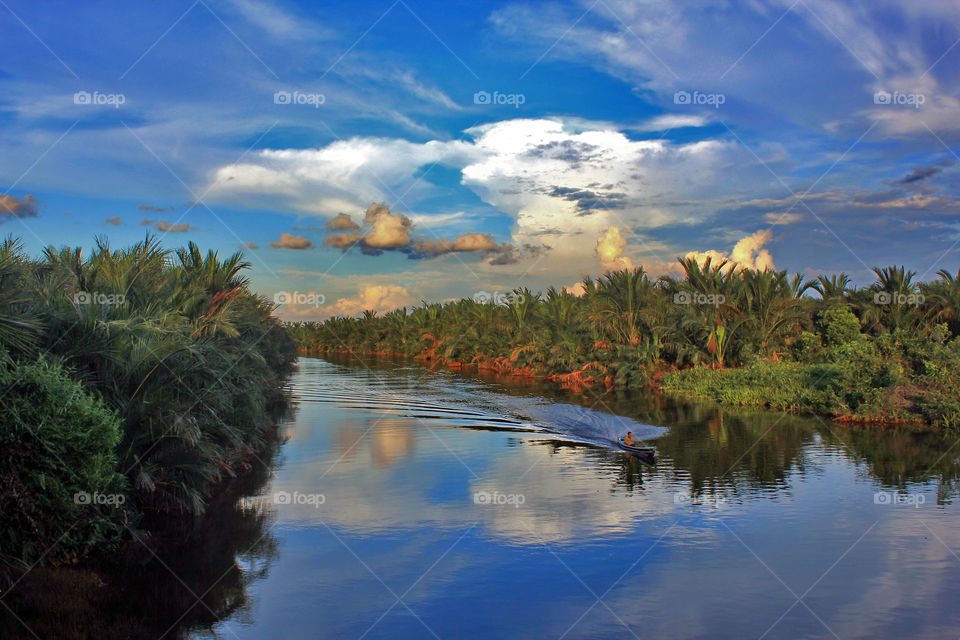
x=628, y=440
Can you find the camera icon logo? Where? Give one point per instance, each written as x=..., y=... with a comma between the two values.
x=282, y=297
x=481, y=97
x=681, y=97
x=281, y=97
x=82, y=497
x=82, y=97
x=682, y=297
x=883, y=297
x=82, y=297
x=281, y=497
x=882, y=497
x=882, y=97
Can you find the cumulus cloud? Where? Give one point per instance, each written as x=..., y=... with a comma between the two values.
x=290, y=241
x=12, y=207
x=377, y=298
x=577, y=289
x=342, y=240
x=115, y=221
x=252, y=245
x=389, y=231
x=610, y=250
x=168, y=227
x=546, y=174
x=463, y=242
x=341, y=222
x=748, y=253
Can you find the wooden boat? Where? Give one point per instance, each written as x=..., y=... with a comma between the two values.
x=646, y=452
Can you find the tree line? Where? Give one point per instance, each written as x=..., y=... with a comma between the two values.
x=626, y=329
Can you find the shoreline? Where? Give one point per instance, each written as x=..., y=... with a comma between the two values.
x=574, y=381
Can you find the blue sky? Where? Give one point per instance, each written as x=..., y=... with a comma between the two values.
x=509, y=143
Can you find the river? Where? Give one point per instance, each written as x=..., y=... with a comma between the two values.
x=411, y=503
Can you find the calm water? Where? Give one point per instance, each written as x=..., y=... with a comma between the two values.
x=426, y=504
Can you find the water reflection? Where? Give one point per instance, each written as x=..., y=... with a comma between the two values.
x=189, y=580
x=505, y=510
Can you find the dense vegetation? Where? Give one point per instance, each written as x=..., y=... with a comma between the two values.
x=132, y=383
x=889, y=351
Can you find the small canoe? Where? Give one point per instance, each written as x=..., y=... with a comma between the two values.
x=637, y=450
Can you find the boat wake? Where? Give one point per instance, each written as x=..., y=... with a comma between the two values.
x=441, y=397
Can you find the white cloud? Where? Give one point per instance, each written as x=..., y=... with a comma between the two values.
x=378, y=298
x=559, y=180
x=748, y=253
x=610, y=250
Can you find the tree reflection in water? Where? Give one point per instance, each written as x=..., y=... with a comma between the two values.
x=188, y=580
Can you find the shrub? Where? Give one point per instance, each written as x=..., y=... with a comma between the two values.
x=57, y=446
x=838, y=326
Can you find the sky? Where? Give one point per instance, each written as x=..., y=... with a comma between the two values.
x=371, y=155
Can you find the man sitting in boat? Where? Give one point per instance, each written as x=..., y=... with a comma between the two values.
x=629, y=441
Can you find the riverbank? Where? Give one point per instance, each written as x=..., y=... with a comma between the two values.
x=889, y=352
x=899, y=379
x=136, y=384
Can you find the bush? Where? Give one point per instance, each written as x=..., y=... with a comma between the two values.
x=838, y=326
x=57, y=445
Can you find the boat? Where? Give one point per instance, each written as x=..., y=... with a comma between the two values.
x=646, y=452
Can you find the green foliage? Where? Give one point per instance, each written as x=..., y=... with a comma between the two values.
x=174, y=344
x=863, y=353
x=838, y=326
x=57, y=455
